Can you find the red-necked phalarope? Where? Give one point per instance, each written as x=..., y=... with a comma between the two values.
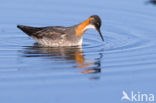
x=62, y=36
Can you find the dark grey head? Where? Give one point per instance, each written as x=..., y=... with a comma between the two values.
x=96, y=22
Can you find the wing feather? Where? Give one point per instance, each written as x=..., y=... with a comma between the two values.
x=52, y=32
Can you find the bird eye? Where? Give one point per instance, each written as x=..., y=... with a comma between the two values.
x=97, y=24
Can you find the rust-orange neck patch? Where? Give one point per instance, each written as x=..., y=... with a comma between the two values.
x=80, y=29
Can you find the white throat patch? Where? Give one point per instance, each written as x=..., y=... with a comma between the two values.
x=90, y=26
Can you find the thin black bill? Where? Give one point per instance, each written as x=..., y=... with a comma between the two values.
x=100, y=34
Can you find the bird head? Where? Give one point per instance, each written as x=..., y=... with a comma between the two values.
x=93, y=22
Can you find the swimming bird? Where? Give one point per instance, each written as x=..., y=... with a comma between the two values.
x=53, y=36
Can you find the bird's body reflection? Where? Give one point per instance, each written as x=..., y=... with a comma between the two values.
x=73, y=54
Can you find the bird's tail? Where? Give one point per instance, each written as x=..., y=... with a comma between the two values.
x=28, y=29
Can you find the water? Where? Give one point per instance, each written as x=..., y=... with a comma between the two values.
x=97, y=72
